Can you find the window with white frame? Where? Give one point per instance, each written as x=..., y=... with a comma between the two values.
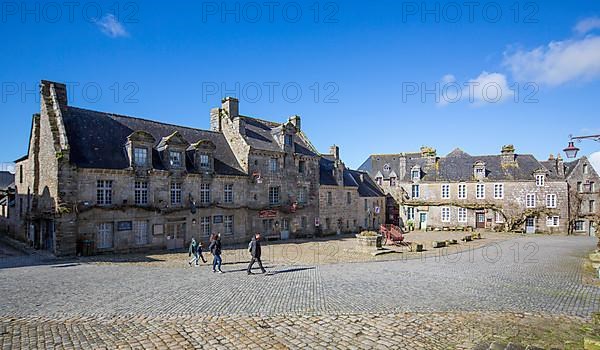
x=553, y=221
x=462, y=191
x=392, y=181
x=480, y=191
x=228, y=193
x=415, y=174
x=140, y=156
x=410, y=213
x=592, y=206
x=141, y=193
x=499, y=218
x=302, y=195
x=462, y=215
x=550, y=201
x=228, y=224
x=530, y=200
x=205, y=225
x=592, y=186
x=579, y=226
x=204, y=160
x=585, y=169
x=175, y=193
x=540, y=180
x=175, y=159
x=140, y=232
x=104, y=235
x=379, y=181
x=205, y=193
x=445, y=214
x=273, y=165
x=273, y=195
x=445, y=191
x=104, y=192
x=415, y=191
x=579, y=186
x=498, y=191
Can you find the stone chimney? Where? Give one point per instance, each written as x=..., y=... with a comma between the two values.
x=430, y=154
x=508, y=156
x=335, y=151
x=215, y=120
x=232, y=106
x=52, y=90
x=295, y=120
x=560, y=165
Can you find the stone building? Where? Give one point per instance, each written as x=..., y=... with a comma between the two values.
x=349, y=200
x=7, y=199
x=584, y=195
x=117, y=183
x=507, y=191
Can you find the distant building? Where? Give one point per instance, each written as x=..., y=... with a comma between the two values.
x=7, y=199
x=507, y=191
x=122, y=183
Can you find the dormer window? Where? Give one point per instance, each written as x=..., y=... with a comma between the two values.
x=140, y=156
x=540, y=180
x=175, y=159
x=289, y=140
x=415, y=173
x=204, y=161
x=479, y=170
x=139, y=149
x=202, y=153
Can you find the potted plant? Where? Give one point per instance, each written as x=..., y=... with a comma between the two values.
x=411, y=224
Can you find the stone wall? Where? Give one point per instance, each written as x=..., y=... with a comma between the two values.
x=512, y=204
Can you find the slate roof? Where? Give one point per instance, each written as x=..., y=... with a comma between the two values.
x=6, y=179
x=457, y=166
x=97, y=140
x=259, y=135
x=352, y=178
x=367, y=187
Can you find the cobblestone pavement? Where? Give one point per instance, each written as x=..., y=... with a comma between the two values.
x=360, y=331
x=89, y=304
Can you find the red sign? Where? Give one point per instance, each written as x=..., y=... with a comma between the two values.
x=267, y=214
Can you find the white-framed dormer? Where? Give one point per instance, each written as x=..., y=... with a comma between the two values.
x=202, y=154
x=540, y=178
x=139, y=149
x=479, y=170
x=172, y=149
x=415, y=173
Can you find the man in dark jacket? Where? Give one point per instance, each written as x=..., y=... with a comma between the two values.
x=255, y=252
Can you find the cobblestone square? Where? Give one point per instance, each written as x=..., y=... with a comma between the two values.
x=437, y=302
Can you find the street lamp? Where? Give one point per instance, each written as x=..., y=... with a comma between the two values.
x=571, y=150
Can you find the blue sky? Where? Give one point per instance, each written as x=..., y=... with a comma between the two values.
x=357, y=65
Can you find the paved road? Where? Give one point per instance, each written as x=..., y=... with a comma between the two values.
x=528, y=274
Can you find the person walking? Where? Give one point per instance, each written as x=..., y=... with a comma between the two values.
x=215, y=250
x=255, y=251
x=193, y=251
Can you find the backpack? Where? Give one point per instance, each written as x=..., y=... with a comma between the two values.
x=250, y=247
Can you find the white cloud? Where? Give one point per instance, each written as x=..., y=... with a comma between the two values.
x=484, y=89
x=586, y=25
x=110, y=26
x=595, y=160
x=557, y=63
